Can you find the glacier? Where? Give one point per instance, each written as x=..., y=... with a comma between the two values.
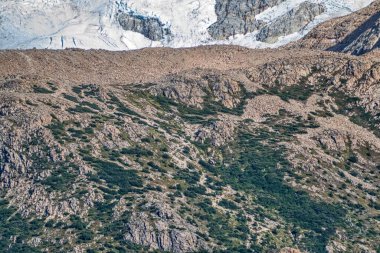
x=93, y=24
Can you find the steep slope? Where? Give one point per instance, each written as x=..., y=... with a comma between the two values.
x=220, y=149
x=355, y=34
x=133, y=24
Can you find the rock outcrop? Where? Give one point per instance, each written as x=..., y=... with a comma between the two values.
x=291, y=22
x=195, y=90
x=238, y=16
x=151, y=27
x=163, y=229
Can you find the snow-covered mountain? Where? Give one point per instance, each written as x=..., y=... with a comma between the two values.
x=132, y=24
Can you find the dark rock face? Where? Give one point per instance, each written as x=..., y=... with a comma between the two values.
x=364, y=39
x=150, y=27
x=238, y=16
x=291, y=22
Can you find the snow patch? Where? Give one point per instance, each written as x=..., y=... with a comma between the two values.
x=58, y=24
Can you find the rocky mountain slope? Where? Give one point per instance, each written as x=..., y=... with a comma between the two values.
x=133, y=24
x=355, y=34
x=209, y=149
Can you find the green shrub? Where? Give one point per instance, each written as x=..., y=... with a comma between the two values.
x=12, y=224
x=77, y=223
x=206, y=206
x=186, y=150
x=353, y=159
x=193, y=191
x=70, y=98
x=91, y=105
x=166, y=156
x=190, y=177
x=60, y=179
x=349, y=106
x=57, y=128
x=115, y=175
x=121, y=107
x=228, y=204
x=156, y=167
x=85, y=236
x=253, y=168
x=39, y=89
x=300, y=91
x=138, y=151
x=146, y=140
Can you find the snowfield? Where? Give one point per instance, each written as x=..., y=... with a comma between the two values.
x=91, y=24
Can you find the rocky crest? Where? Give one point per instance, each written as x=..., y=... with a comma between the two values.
x=357, y=33
x=365, y=39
